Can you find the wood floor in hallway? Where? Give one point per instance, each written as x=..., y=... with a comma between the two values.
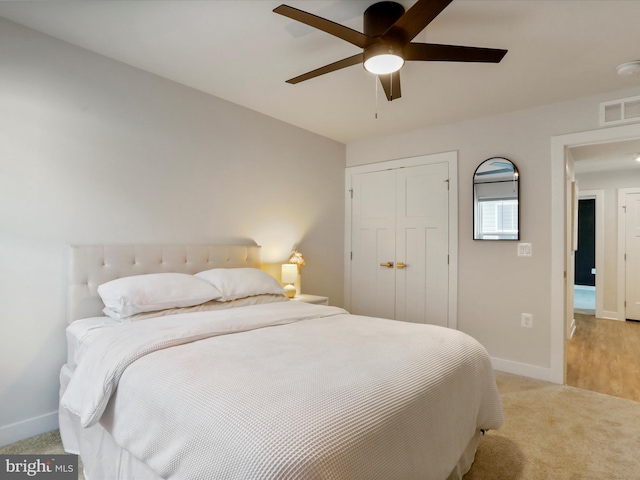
x=604, y=356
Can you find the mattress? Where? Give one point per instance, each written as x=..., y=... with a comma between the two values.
x=286, y=390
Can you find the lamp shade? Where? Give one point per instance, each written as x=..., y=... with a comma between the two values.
x=289, y=273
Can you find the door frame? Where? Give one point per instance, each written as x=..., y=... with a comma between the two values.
x=598, y=196
x=451, y=158
x=560, y=145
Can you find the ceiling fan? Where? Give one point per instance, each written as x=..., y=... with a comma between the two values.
x=386, y=41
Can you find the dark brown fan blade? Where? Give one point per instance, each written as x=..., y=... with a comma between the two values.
x=415, y=20
x=432, y=52
x=391, y=85
x=332, y=67
x=345, y=33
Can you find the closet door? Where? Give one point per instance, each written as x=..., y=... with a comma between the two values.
x=399, y=264
x=422, y=227
x=373, y=244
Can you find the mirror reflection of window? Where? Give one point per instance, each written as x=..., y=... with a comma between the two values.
x=496, y=200
x=498, y=219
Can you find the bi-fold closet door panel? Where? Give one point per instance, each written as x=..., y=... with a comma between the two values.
x=400, y=244
x=422, y=224
x=373, y=245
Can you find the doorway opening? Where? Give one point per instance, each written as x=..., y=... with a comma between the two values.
x=561, y=233
x=584, y=287
x=589, y=286
x=599, y=340
x=601, y=353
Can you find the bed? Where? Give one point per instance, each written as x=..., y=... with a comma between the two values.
x=253, y=386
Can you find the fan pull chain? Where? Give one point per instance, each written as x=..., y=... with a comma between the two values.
x=375, y=79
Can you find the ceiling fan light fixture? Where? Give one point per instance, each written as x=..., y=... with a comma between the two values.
x=384, y=64
x=387, y=41
x=383, y=59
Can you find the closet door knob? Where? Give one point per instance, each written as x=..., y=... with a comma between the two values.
x=401, y=265
x=388, y=264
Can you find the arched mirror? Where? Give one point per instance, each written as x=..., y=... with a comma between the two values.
x=496, y=191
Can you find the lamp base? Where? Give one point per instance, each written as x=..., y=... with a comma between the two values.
x=290, y=290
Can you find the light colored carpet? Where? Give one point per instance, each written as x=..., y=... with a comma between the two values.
x=561, y=433
x=552, y=432
x=47, y=443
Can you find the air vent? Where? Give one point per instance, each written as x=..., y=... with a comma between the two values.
x=625, y=110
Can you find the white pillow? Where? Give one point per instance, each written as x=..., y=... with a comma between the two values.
x=127, y=296
x=203, y=307
x=237, y=283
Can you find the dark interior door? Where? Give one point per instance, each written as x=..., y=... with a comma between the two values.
x=586, y=253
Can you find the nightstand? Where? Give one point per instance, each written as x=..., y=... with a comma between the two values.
x=315, y=299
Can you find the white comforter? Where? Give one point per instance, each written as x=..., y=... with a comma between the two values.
x=286, y=391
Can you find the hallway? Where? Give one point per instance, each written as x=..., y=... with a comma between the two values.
x=604, y=356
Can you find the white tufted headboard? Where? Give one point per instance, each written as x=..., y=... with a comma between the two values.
x=92, y=265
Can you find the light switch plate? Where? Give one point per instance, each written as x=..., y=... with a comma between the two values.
x=525, y=250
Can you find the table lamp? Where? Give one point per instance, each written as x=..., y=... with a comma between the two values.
x=289, y=277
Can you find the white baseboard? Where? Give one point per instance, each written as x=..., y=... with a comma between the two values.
x=524, y=370
x=611, y=316
x=28, y=428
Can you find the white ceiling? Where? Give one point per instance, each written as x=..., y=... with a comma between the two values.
x=607, y=156
x=241, y=51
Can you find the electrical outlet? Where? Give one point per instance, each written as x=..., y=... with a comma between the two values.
x=526, y=320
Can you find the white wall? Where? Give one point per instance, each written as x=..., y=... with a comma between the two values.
x=610, y=182
x=495, y=286
x=95, y=151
